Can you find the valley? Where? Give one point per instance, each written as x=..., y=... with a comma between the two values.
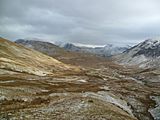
x=71, y=85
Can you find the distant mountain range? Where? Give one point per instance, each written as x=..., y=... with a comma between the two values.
x=107, y=51
x=66, y=56
x=145, y=54
x=50, y=48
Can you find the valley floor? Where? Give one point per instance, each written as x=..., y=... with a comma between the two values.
x=104, y=92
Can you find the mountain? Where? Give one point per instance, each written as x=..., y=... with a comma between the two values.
x=16, y=58
x=72, y=47
x=65, y=55
x=44, y=47
x=102, y=90
x=106, y=51
x=144, y=54
x=109, y=50
x=58, y=49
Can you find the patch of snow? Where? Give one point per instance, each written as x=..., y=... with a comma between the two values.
x=104, y=88
x=9, y=81
x=82, y=81
x=2, y=98
x=45, y=90
x=25, y=99
x=58, y=94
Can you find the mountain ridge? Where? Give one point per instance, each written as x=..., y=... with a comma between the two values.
x=28, y=60
x=143, y=54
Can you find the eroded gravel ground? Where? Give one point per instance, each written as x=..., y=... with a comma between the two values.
x=97, y=94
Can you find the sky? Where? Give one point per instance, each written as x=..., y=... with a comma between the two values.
x=91, y=22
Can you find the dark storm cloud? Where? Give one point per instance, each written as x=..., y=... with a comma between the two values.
x=81, y=21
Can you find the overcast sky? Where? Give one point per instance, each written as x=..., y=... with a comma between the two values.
x=95, y=22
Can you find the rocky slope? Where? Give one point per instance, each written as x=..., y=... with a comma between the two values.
x=17, y=58
x=44, y=47
x=145, y=54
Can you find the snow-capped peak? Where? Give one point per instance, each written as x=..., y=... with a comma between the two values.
x=153, y=41
x=150, y=43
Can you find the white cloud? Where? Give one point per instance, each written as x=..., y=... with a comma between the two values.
x=94, y=22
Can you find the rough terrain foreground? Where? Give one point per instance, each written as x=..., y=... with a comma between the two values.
x=99, y=91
